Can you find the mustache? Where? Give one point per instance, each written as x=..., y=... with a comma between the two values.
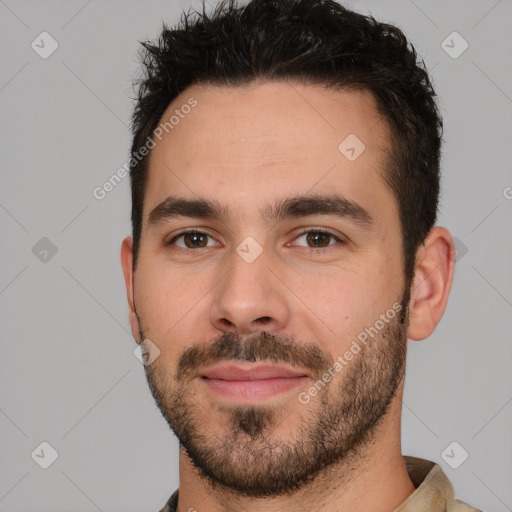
x=263, y=346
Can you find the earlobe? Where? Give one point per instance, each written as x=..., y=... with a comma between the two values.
x=128, y=272
x=435, y=263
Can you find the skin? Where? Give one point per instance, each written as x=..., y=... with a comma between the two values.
x=246, y=147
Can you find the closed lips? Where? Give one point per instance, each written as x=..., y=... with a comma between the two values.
x=249, y=383
x=232, y=372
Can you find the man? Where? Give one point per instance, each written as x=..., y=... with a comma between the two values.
x=285, y=182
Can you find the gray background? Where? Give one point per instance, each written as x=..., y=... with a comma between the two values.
x=68, y=373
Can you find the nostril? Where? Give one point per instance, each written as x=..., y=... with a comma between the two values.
x=264, y=319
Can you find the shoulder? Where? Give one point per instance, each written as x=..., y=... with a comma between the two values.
x=434, y=491
x=460, y=506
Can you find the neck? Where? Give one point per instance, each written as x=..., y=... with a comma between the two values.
x=375, y=479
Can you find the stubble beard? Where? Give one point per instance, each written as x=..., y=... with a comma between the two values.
x=241, y=453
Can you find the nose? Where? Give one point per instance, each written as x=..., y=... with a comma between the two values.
x=250, y=298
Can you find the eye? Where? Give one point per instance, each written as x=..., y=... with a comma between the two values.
x=192, y=240
x=317, y=239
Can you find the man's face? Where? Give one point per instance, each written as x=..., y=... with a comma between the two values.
x=274, y=278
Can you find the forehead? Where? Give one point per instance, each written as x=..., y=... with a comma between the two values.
x=240, y=144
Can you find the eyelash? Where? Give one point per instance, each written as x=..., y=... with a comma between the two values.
x=315, y=250
x=310, y=250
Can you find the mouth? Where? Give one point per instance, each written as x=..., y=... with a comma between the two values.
x=251, y=382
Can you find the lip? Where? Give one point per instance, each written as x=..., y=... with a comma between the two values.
x=250, y=382
x=251, y=371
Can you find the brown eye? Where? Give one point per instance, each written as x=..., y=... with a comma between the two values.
x=192, y=240
x=314, y=239
x=318, y=238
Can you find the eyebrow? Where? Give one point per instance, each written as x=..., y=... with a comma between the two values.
x=279, y=210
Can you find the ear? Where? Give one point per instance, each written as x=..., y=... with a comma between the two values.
x=127, y=264
x=435, y=264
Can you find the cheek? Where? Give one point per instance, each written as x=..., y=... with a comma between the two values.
x=338, y=304
x=332, y=304
x=166, y=302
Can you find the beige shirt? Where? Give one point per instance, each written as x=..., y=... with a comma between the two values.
x=434, y=492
